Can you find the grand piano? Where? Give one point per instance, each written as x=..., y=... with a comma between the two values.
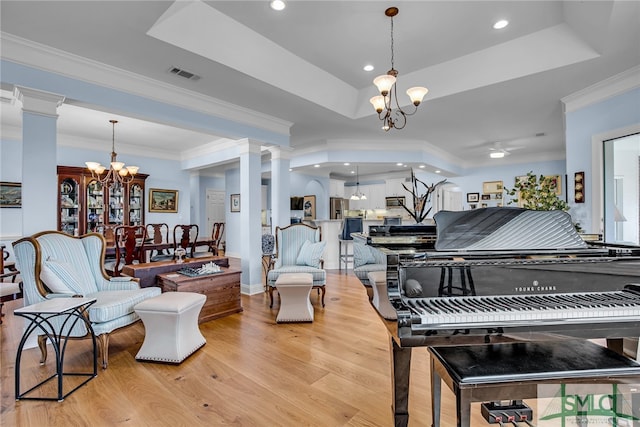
x=502, y=275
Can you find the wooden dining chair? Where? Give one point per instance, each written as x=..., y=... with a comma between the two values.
x=158, y=234
x=216, y=237
x=185, y=236
x=129, y=242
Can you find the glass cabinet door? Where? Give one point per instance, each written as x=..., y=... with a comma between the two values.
x=95, y=206
x=136, y=204
x=116, y=204
x=69, y=206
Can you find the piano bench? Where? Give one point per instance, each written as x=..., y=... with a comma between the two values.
x=512, y=371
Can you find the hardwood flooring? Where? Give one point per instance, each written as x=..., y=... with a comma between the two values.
x=252, y=372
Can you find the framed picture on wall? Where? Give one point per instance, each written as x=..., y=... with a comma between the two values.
x=555, y=180
x=492, y=187
x=10, y=195
x=235, y=203
x=309, y=207
x=165, y=201
x=473, y=197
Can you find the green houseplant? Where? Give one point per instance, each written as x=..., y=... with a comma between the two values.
x=421, y=196
x=537, y=193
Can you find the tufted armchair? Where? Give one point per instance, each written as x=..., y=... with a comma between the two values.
x=57, y=265
x=298, y=250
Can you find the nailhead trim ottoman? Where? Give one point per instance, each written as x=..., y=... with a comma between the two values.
x=294, y=290
x=171, y=326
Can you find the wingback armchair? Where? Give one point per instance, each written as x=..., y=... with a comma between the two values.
x=299, y=249
x=57, y=265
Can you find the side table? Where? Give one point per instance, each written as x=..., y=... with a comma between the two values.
x=70, y=311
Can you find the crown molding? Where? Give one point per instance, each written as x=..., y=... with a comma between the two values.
x=608, y=88
x=46, y=58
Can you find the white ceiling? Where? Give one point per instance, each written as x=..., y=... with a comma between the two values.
x=487, y=88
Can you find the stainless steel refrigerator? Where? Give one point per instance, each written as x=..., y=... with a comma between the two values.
x=338, y=207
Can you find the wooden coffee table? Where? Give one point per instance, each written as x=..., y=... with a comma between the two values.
x=221, y=289
x=148, y=271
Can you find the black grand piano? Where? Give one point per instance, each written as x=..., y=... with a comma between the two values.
x=502, y=275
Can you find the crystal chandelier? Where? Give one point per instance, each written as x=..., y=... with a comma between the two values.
x=358, y=195
x=118, y=173
x=393, y=117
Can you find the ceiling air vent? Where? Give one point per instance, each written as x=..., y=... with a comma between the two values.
x=183, y=73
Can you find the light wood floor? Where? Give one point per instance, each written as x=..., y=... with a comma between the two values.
x=252, y=372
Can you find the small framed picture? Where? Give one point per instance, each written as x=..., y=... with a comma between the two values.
x=10, y=195
x=473, y=197
x=309, y=207
x=163, y=200
x=484, y=205
x=486, y=197
x=235, y=203
x=492, y=187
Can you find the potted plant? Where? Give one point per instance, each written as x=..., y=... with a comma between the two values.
x=421, y=198
x=538, y=193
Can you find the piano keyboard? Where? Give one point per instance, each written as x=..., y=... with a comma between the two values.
x=521, y=310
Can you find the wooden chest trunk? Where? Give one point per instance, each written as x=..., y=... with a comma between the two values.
x=221, y=289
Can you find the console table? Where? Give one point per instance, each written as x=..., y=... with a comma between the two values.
x=221, y=289
x=70, y=311
x=147, y=271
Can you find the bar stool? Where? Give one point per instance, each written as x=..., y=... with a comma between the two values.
x=349, y=225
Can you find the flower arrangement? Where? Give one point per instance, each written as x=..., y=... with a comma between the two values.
x=421, y=197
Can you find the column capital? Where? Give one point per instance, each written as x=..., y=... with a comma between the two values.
x=248, y=146
x=38, y=101
x=281, y=153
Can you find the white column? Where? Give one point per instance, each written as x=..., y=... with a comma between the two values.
x=40, y=190
x=280, y=186
x=250, y=218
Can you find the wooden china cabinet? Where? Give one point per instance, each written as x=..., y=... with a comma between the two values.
x=85, y=205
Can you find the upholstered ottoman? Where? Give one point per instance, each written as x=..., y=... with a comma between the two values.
x=378, y=282
x=294, y=290
x=171, y=326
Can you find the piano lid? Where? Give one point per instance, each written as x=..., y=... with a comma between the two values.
x=505, y=229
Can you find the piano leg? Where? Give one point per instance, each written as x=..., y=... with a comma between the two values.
x=400, y=372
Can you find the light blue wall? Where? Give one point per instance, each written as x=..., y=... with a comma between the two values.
x=581, y=125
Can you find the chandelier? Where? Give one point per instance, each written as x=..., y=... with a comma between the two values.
x=393, y=117
x=118, y=173
x=358, y=195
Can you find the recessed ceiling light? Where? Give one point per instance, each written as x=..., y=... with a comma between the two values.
x=346, y=163
x=353, y=172
x=316, y=166
x=290, y=170
x=437, y=171
x=278, y=5
x=422, y=166
x=399, y=164
x=500, y=24
x=368, y=67
x=496, y=154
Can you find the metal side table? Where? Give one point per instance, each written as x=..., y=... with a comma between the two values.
x=71, y=311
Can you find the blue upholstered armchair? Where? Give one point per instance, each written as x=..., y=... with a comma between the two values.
x=57, y=265
x=299, y=249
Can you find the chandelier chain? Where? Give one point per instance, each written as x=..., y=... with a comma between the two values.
x=392, y=59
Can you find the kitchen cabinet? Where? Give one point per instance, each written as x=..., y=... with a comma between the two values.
x=336, y=188
x=85, y=205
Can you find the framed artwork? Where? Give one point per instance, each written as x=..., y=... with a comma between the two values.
x=165, y=201
x=473, y=197
x=235, y=203
x=10, y=195
x=578, y=186
x=309, y=207
x=486, y=197
x=557, y=181
x=492, y=187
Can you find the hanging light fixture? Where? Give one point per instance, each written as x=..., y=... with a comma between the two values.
x=393, y=117
x=118, y=173
x=358, y=195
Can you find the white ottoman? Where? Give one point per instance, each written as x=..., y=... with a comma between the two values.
x=378, y=282
x=171, y=326
x=294, y=290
